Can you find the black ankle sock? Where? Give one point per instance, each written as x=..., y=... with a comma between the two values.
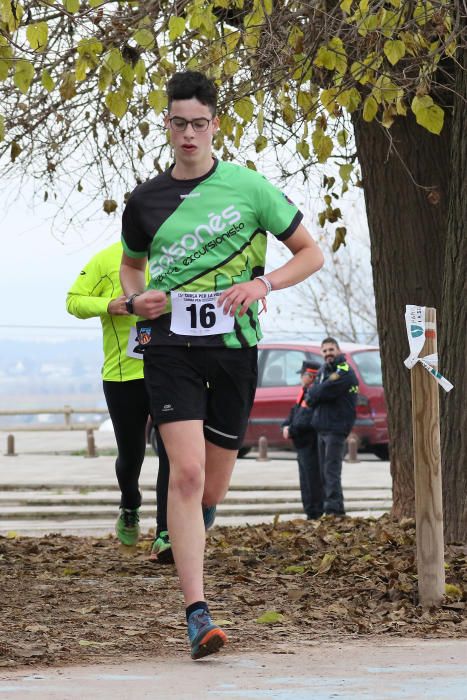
x=199, y=605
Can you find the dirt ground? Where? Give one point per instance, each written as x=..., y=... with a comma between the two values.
x=67, y=600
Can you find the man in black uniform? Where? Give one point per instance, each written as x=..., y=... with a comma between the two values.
x=333, y=398
x=298, y=427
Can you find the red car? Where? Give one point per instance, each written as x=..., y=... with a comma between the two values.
x=279, y=384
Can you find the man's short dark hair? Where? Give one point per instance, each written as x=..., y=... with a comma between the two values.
x=330, y=340
x=191, y=83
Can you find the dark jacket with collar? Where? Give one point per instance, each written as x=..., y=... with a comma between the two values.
x=333, y=397
x=298, y=421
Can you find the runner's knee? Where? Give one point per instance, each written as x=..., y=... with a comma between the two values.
x=187, y=479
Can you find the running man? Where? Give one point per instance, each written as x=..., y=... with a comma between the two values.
x=97, y=292
x=202, y=225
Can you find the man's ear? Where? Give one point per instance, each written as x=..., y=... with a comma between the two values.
x=216, y=123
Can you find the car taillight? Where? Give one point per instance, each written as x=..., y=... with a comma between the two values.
x=363, y=406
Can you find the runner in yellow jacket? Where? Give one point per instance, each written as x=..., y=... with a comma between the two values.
x=97, y=292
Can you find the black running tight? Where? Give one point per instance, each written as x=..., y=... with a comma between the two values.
x=128, y=406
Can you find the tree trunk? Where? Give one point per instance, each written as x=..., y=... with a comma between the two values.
x=407, y=225
x=453, y=357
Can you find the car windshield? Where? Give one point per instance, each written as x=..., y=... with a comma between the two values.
x=369, y=366
x=282, y=366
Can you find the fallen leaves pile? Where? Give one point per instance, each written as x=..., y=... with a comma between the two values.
x=272, y=587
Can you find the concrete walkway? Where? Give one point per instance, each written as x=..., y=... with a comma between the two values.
x=370, y=670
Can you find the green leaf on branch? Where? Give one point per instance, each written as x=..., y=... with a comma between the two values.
x=244, y=108
x=4, y=69
x=346, y=6
x=144, y=38
x=260, y=143
x=2, y=127
x=345, y=171
x=370, y=107
x=140, y=72
x=24, y=73
x=230, y=66
x=322, y=145
x=394, y=50
x=71, y=6
x=176, y=27
x=428, y=114
x=342, y=138
x=250, y=165
x=325, y=58
x=157, y=99
x=303, y=149
x=47, y=81
x=350, y=99
x=37, y=35
x=116, y=103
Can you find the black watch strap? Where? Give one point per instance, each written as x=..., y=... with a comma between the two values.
x=129, y=303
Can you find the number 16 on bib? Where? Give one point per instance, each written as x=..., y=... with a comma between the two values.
x=197, y=313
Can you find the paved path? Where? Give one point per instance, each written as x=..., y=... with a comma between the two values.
x=51, y=486
x=355, y=670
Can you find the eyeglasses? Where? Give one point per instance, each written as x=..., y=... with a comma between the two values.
x=180, y=124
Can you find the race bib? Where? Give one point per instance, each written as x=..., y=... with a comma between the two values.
x=197, y=313
x=134, y=349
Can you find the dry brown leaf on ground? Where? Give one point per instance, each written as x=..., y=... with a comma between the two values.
x=334, y=579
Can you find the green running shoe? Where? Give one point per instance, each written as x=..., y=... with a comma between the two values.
x=127, y=526
x=161, y=550
x=205, y=637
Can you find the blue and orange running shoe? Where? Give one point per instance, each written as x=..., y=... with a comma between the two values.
x=209, y=515
x=205, y=637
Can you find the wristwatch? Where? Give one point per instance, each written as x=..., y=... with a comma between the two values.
x=129, y=303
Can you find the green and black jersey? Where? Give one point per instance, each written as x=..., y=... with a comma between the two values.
x=204, y=235
x=95, y=287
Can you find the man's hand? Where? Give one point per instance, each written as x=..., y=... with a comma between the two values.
x=150, y=304
x=241, y=296
x=285, y=432
x=117, y=306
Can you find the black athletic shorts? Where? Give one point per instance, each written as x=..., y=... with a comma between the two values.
x=215, y=385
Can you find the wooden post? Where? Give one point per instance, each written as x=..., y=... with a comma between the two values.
x=91, y=444
x=10, y=446
x=427, y=466
x=352, y=447
x=262, y=449
x=67, y=410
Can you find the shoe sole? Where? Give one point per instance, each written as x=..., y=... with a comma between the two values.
x=212, y=642
x=133, y=543
x=165, y=557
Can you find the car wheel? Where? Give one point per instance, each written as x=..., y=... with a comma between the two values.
x=243, y=451
x=381, y=451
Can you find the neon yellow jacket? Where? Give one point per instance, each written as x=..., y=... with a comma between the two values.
x=95, y=287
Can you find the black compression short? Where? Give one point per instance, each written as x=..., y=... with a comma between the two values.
x=215, y=385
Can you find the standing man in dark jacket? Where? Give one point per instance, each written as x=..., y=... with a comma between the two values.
x=333, y=398
x=298, y=427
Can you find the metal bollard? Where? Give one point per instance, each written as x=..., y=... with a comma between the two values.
x=352, y=448
x=262, y=450
x=10, y=446
x=91, y=444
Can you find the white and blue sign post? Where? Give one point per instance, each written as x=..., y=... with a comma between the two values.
x=425, y=377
